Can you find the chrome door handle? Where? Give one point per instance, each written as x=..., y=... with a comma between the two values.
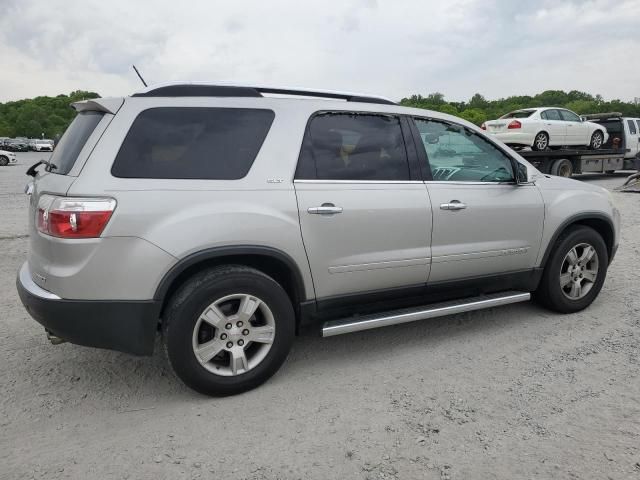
x=325, y=209
x=453, y=205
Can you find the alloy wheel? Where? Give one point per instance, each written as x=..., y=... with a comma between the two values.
x=579, y=271
x=233, y=334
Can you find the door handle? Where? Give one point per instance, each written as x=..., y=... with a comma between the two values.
x=453, y=205
x=325, y=209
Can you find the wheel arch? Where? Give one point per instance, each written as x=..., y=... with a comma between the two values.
x=538, y=133
x=597, y=221
x=271, y=261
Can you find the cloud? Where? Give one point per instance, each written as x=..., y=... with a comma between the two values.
x=458, y=47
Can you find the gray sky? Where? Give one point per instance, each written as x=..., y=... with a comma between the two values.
x=393, y=48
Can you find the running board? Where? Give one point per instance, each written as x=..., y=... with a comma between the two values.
x=394, y=317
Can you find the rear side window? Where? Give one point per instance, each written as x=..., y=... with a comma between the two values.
x=353, y=146
x=632, y=127
x=193, y=143
x=550, y=115
x=74, y=138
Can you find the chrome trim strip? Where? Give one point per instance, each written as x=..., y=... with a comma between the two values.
x=401, y=182
x=31, y=287
x=339, y=327
x=410, y=262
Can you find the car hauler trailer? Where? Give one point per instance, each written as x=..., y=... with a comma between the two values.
x=618, y=153
x=566, y=162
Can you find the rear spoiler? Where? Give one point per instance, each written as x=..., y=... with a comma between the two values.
x=108, y=105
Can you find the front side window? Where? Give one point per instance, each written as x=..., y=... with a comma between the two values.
x=193, y=143
x=568, y=116
x=550, y=115
x=632, y=127
x=456, y=153
x=353, y=146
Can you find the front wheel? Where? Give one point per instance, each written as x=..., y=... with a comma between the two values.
x=4, y=161
x=228, y=330
x=575, y=272
x=597, y=139
x=540, y=142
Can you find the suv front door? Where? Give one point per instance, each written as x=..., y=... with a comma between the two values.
x=484, y=224
x=364, y=210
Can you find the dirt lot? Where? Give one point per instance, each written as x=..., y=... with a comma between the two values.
x=514, y=392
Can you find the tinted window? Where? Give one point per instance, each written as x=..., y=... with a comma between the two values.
x=74, y=138
x=638, y=122
x=456, y=153
x=519, y=114
x=353, y=146
x=568, y=116
x=193, y=143
x=550, y=115
x=632, y=127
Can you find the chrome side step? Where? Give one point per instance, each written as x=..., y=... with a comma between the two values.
x=366, y=322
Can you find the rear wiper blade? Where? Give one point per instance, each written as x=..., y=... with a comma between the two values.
x=32, y=171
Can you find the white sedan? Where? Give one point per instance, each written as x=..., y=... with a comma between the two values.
x=7, y=158
x=540, y=128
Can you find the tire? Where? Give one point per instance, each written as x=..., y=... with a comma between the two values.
x=562, y=168
x=597, y=139
x=217, y=294
x=564, y=299
x=540, y=142
x=4, y=161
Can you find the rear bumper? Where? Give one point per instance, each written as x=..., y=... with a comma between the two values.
x=514, y=138
x=126, y=326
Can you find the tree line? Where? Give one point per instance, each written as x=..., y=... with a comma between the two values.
x=41, y=115
x=478, y=109
x=52, y=115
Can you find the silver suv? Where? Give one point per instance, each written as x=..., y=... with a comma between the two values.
x=232, y=219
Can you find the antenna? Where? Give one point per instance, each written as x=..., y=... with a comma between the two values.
x=139, y=76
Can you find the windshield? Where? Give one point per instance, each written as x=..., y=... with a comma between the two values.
x=519, y=114
x=71, y=143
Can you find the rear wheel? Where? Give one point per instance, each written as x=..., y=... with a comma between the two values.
x=540, y=142
x=575, y=272
x=4, y=161
x=562, y=168
x=597, y=139
x=228, y=330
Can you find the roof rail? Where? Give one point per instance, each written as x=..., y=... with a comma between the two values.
x=223, y=90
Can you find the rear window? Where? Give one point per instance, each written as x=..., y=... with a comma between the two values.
x=74, y=138
x=519, y=114
x=193, y=143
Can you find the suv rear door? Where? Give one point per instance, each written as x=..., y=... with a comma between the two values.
x=364, y=211
x=484, y=224
x=66, y=162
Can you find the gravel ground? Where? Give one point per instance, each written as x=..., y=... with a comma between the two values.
x=513, y=392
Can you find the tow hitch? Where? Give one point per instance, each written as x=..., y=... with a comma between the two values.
x=55, y=340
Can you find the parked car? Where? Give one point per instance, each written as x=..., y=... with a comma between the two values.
x=232, y=221
x=42, y=145
x=17, y=145
x=7, y=158
x=540, y=128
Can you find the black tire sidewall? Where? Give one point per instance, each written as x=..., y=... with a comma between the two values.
x=192, y=300
x=551, y=293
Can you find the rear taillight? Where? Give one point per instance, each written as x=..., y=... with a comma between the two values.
x=67, y=217
x=514, y=124
x=483, y=126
